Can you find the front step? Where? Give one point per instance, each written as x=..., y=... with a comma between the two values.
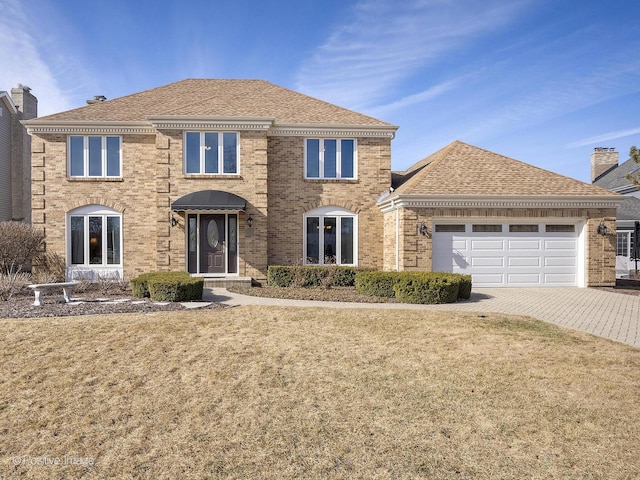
x=227, y=282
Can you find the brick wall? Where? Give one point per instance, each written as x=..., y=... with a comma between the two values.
x=271, y=181
x=291, y=196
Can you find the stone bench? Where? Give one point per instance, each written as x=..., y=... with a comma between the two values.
x=40, y=288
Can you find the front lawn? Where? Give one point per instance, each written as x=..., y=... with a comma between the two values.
x=256, y=392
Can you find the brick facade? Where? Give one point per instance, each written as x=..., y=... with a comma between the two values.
x=291, y=196
x=271, y=181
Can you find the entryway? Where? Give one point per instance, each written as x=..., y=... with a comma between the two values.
x=212, y=243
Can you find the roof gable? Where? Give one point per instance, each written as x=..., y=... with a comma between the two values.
x=8, y=102
x=462, y=169
x=220, y=98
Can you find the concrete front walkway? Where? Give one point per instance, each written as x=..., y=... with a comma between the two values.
x=615, y=316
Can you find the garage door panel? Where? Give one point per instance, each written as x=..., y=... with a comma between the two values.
x=458, y=244
x=524, y=278
x=524, y=245
x=504, y=259
x=559, y=245
x=487, y=261
x=524, y=262
x=494, y=245
x=560, y=279
x=560, y=262
x=487, y=279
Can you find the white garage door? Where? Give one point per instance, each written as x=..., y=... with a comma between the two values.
x=500, y=255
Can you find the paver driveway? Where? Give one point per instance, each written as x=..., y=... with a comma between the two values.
x=615, y=316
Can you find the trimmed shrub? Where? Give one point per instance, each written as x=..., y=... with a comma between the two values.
x=174, y=287
x=465, y=287
x=139, y=285
x=280, y=276
x=312, y=276
x=426, y=288
x=376, y=284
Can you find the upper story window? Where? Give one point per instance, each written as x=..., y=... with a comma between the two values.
x=212, y=153
x=330, y=158
x=95, y=156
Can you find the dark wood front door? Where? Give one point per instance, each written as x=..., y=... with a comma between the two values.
x=212, y=244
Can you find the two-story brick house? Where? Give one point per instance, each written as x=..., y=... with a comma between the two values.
x=215, y=177
x=223, y=178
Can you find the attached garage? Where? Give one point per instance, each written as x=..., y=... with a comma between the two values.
x=510, y=254
x=506, y=223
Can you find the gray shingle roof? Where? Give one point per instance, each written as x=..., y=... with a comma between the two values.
x=617, y=176
x=629, y=209
x=219, y=97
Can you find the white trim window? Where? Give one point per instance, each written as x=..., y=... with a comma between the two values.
x=330, y=158
x=94, y=156
x=624, y=243
x=211, y=153
x=330, y=237
x=94, y=240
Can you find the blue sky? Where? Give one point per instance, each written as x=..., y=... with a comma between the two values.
x=542, y=81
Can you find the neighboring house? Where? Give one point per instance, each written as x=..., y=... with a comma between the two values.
x=607, y=173
x=223, y=178
x=15, y=154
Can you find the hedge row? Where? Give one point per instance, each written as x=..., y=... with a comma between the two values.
x=168, y=286
x=312, y=276
x=415, y=287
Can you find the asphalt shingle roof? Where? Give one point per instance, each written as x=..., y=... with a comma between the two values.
x=629, y=209
x=462, y=169
x=219, y=97
x=617, y=176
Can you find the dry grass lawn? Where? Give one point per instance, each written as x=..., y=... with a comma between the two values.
x=258, y=392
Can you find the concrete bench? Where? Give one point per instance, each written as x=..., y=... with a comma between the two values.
x=40, y=288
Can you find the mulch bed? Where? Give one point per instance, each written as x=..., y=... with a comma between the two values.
x=89, y=303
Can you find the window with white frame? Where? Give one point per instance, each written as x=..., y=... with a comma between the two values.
x=624, y=243
x=330, y=237
x=95, y=237
x=329, y=158
x=211, y=153
x=94, y=156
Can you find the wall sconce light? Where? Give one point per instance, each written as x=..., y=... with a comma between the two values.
x=173, y=221
x=423, y=229
x=602, y=229
x=250, y=221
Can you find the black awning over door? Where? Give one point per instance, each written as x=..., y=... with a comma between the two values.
x=214, y=200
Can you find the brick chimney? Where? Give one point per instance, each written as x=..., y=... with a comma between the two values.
x=24, y=101
x=602, y=160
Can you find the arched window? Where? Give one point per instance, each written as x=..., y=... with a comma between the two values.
x=330, y=237
x=94, y=241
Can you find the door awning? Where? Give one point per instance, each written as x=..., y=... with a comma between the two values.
x=207, y=200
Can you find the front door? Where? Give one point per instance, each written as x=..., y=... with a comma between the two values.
x=212, y=244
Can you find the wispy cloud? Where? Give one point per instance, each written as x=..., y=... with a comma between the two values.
x=605, y=137
x=387, y=41
x=23, y=60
